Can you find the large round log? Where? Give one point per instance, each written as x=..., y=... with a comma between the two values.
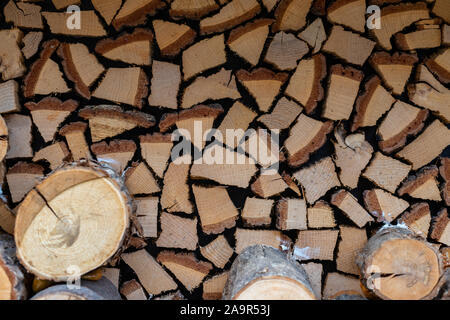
x=12, y=281
x=73, y=222
x=399, y=265
x=265, y=273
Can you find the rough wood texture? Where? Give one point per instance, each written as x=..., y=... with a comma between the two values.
x=11, y=63
x=23, y=15
x=256, y=212
x=76, y=140
x=116, y=153
x=21, y=178
x=164, y=85
x=175, y=195
x=315, y=245
x=291, y=214
x=282, y=116
x=191, y=9
x=134, y=12
x=421, y=39
x=314, y=35
x=418, y=218
x=384, y=205
x=423, y=185
x=285, y=50
x=346, y=202
x=268, y=185
x=353, y=240
x=31, y=43
x=172, y=37
x=440, y=66
x=249, y=237
x=147, y=215
x=12, y=285
x=444, y=170
x=9, y=98
x=213, y=287
x=155, y=149
x=348, y=13
x=290, y=15
x=107, y=8
x=440, y=230
x=19, y=136
x=218, y=251
x=90, y=24
x=320, y=216
x=337, y=284
x=177, y=232
x=132, y=290
x=139, y=180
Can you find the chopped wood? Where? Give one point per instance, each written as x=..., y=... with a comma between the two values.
x=107, y=8
x=307, y=136
x=7, y=219
x=90, y=25
x=3, y=145
x=116, y=153
x=218, y=251
x=113, y=275
x=155, y=149
x=446, y=34
x=440, y=230
x=318, y=179
x=215, y=208
x=427, y=146
x=23, y=15
x=49, y=113
x=291, y=184
x=22, y=177
x=203, y=55
x=11, y=59
x=285, y=50
x=139, y=180
x=177, y=295
x=320, y=216
x=352, y=242
x=257, y=212
x=343, y=89
x=268, y=185
x=291, y=15
x=315, y=244
x=55, y=154
x=348, y=204
x=445, y=251
x=192, y=9
x=421, y=39
x=283, y=114
x=371, y=105
x=418, y=218
x=108, y=121
x=177, y=232
x=61, y=4
x=349, y=46
x=314, y=35
x=213, y=287
x=19, y=136
x=11, y=275
x=440, y=66
x=164, y=85
x=132, y=290
x=423, y=185
x=9, y=98
x=74, y=134
x=175, y=194
x=441, y=8
x=337, y=284
x=444, y=170
x=263, y=84
x=218, y=86
x=305, y=84
x=424, y=75
x=172, y=37
x=152, y=276
x=428, y=97
x=230, y=15
x=188, y=270
x=314, y=272
x=250, y=237
x=386, y=172
x=31, y=42
x=395, y=18
x=147, y=215
x=237, y=119
x=291, y=214
x=270, y=4
x=348, y=13
x=135, y=12
x=383, y=205
x=248, y=41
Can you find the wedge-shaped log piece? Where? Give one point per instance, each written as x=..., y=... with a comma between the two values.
x=108, y=121
x=31, y=42
x=418, y=218
x=320, y=216
x=107, y=8
x=395, y=18
x=22, y=177
x=343, y=89
x=446, y=34
x=139, y=180
x=421, y=39
x=349, y=46
x=134, y=12
x=283, y=115
x=353, y=240
x=257, y=212
x=229, y=16
x=61, y=4
x=237, y=121
x=155, y=149
x=314, y=272
x=371, y=105
x=314, y=35
x=55, y=154
x=132, y=290
x=9, y=98
x=423, y=185
x=11, y=63
x=220, y=85
x=172, y=37
x=307, y=136
x=444, y=170
x=348, y=13
x=338, y=285
x=147, y=215
x=315, y=245
x=215, y=208
x=285, y=50
x=291, y=214
x=383, y=205
x=213, y=287
x=49, y=113
x=248, y=41
x=23, y=15
x=304, y=85
x=428, y=97
x=133, y=48
x=218, y=251
x=191, y=9
x=263, y=84
x=177, y=232
x=90, y=25
x=291, y=15
x=19, y=136
x=7, y=219
x=12, y=276
x=317, y=179
x=427, y=146
x=250, y=237
x=270, y=4
x=441, y=8
x=440, y=230
x=185, y=266
x=268, y=185
x=74, y=134
x=346, y=202
x=116, y=153
x=440, y=65
x=166, y=81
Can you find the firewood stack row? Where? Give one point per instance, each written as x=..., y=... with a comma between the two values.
x=96, y=180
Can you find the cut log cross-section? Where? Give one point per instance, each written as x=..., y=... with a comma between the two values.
x=435, y=100
x=177, y=232
x=346, y=202
x=132, y=290
x=191, y=9
x=23, y=15
x=172, y=37
x=3, y=141
x=213, y=287
x=134, y=12
x=9, y=97
x=12, y=279
x=19, y=135
x=21, y=178
x=444, y=170
x=55, y=154
x=348, y=13
x=291, y=15
x=423, y=185
x=320, y=216
x=31, y=42
x=315, y=244
x=421, y=39
x=155, y=149
x=441, y=228
x=314, y=35
x=116, y=153
x=139, y=180
x=165, y=84
x=218, y=251
x=7, y=219
x=440, y=65
x=291, y=214
x=238, y=118
x=352, y=242
x=90, y=25
x=285, y=50
x=256, y=212
x=107, y=8
x=282, y=116
x=418, y=218
x=147, y=215
x=74, y=134
x=175, y=195
x=11, y=63
x=384, y=205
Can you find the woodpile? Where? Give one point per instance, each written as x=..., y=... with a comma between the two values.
x=224, y=149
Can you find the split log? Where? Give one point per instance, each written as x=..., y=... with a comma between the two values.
x=386, y=172
x=151, y=275
x=418, y=219
x=107, y=8
x=257, y=212
x=318, y=179
x=139, y=180
x=440, y=65
x=248, y=41
x=423, y=185
x=314, y=35
x=306, y=136
x=188, y=270
x=3, y=142
x=74, y=134
x=155, y=150
x=343, y=89
x=338, y=285
x=134, y=12
x=440, y=230
x=147, y=215
x=428, y=97
x=12, y=286
x=285, y=50
x=7, y=219
x=427, y=146
x=261, y=272
x=220, y=85
x=315, y=244
x=372, y=104
x=175, y=195
x=291, y=15
x=263, y=148
x=353, y=240
x=218, y=251
x=108, y=121
x=444, y=170
x=11, y=63
x=349, y=46
x=263, y=84
x=116, y=153
x=49, y=113
x=172, y=37
x=291, y=214
x=19, y=136
x=441, y=8
x=23, y=15
x=192, y=9
x=446, y=35
x=282, y=116
x=237, y=119
x=215, y=208
x=90, y=25
x=132, y=290
x=177, y=232
x=166, y=81
x=321, y=216
x=213, y=287
x=349, y=205
x=397, y=265
x=250, y=237
x=421, y=39
x=31, y=42
x=270, y=4
x=348, y=13
x=314, y=272
x=9, y=98
x=61, y=4
x=54, y=233
x=203, y=55
x=21, y=178
x=268, y=185
x=383, y=205
x=230, y=15
x=123, y=85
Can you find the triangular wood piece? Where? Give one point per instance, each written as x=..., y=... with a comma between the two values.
x=74, y=134
x=283, y=114
x=139, y=180
x=238, y=118
x=166, y=80
x=440, y=65
x=229, y=16
x=107, y=8
x=337, y=284
x=420, y=39
x=424, y=75
x=320, y=216
x=444, y=171
x=285, y=50
x=263, y=84
x=7, y=219
x=257, y=212
x=61, y=4
x=314, y=272
x=132, y=290
x=172, y=37
x=90, y=25
x=23, y=15
x=177, y=232
x=268, y=185
x=348, y=13
x=418, y=218
x=191, y=9
x=147, y=215
x=31, y=42
x=134, y=48
x=11, y=64
x=108, y=121
x=353, y=240
x=315, y=245
x=383, y=205
x=213, y=287
x=395, y=70
x=348, y=204
x=440, y=230
x=55, y=154
x=446, y=35
x=249, y=237
x=292, y=214
x=134, y=12
x=116, y=153
x=441, y=8
x=314, y=35
x=21, y=178
x=175, y=195
x=291, y=15
x=428, y=97
x=423, y=185
x=248, y=41
x=155, y=149
x=218, y=251
x=305, y=84
x=270, y=4
x=49, y=113
x=19, y=135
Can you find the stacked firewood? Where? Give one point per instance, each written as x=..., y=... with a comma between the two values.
x=98, y=99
